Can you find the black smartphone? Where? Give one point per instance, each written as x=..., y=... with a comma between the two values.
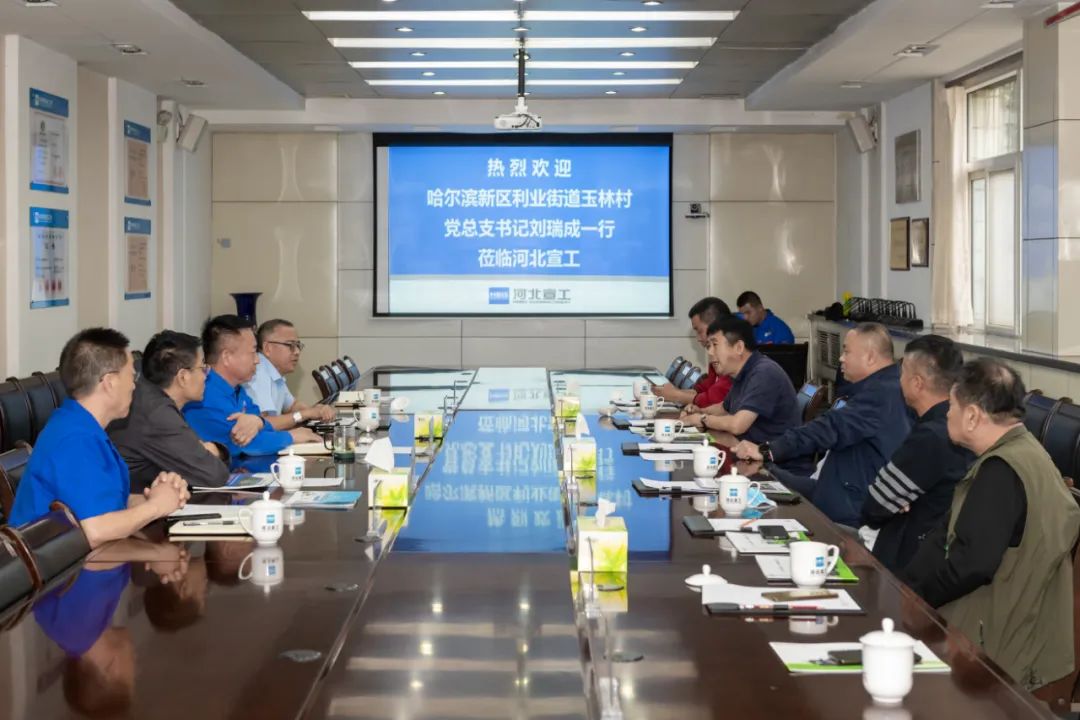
x=773, y=532
x=854, y=657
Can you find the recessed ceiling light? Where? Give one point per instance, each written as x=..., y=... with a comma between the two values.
x=618, y=73
x=545, y=43
x=521, y=28
x=610, y=92
x=128, y=49
x=439, y=92
x=428, y=73
x=851, y=85
x=404, y=28
x=618, y=65
x=527, y=16
x=39, y=3
x=638, y=28
x=192, y=82
x=506, y=82
x=627, y=54
x=652, y=2
x=389, y=1
x=915, y=50
x=999, y=4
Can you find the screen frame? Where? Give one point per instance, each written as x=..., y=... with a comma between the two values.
x=517, y=139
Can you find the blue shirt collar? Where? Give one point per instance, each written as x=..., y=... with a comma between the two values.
x=81, y=415
x=219, y=385
x=274, y=374
x=748, y=366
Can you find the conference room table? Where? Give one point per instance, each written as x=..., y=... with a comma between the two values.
x=462, y=605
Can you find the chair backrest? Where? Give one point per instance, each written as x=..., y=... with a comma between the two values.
x=692, y=378
x=16, y=418
x=325, y=381
x=42, y=401
x=352, y=368
x=681, y=379
x=674, y=368
x=12, y=464
x=51, y=545
x=341, y=374
x=792, y=358
x=1062, y=438
x=811, y=399
x=1037, y=411
x=59, y=392
x=16, y=582
x=136, y=357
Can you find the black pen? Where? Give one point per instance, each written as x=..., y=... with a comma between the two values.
x=186, y=518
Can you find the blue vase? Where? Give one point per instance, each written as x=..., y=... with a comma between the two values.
x=245, y=305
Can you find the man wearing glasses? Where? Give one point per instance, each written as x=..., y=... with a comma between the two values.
x=279, y=352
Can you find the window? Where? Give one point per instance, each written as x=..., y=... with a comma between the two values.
x=993, y=166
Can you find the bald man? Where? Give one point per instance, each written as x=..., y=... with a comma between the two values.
x=857, y=439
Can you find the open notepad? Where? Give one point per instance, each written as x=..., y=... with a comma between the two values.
x=685, y=487
x=747, y=599
x=777, y=568
x=227, y=522
x=807, y=658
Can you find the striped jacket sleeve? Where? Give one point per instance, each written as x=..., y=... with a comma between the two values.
x=914, y=469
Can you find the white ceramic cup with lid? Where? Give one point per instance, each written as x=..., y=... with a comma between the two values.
x=263, y=520
x=289, y=471
x=888, y=663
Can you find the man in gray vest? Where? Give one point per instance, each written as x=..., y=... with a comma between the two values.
x=1000, y=568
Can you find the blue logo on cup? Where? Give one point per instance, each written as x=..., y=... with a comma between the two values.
x=498, y=296
x=271, y=518
x=819, y=562
x=733, y=493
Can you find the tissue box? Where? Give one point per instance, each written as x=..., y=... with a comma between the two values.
x=567, y=407
x=610, y=545
x=388, y=489
x=426, y=423
x=608, y=600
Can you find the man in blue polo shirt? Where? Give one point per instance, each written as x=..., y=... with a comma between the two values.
x=768, y=329
x=227, y=414
x=761, y=404
x=74, y=461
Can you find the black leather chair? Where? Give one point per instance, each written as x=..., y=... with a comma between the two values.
x=683, y=376
x=792, y=358
x=16, y=418
x=351, y=367
x=55, y=384
x=51, y=545
x=16, y=582
x=42, y=401
x=1038, y=409
x=136, y=357
x=12, y=464
x=325, y=381
x=341, y=374
x=674, y=367
x=811, y=399
x=1062, y=439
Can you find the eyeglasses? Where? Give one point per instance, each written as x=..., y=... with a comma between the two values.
x=295, y=345
x=204, y=369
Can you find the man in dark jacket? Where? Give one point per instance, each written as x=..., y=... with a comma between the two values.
x=857, y=439
x=913, y=492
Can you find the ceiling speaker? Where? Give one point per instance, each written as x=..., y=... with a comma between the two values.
x=191, y=132
x=862, y=132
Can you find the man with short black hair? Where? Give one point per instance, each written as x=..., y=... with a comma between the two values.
x=73, y=460
x=913, y=491
x=762, y=403
x=999, y=568
x=857, y=439
x=712, y=388
x=279, y=352
x=154, y=435
x=227, y=414
x=768, y=328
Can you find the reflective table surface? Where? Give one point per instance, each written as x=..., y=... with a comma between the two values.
x=465, y=605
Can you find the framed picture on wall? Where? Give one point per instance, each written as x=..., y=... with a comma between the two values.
x=906, y=159
x=920, y=242
x=899, y=247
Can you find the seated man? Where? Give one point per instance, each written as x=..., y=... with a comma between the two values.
x=1000, y=567
x=768, y=328
x=712, y=388
x=858, y=438
x=914, y=490
x=73, y=460
x=761, y=404
x=226, y=414
x=155, y=435
x=279, y=352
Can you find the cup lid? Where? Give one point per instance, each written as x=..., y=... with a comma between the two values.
x=265, y=501
x=888, y=637
x=705, y=577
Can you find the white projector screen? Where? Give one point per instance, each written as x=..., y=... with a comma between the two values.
x=538, y=224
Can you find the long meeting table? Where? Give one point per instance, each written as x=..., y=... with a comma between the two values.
x=462, y=605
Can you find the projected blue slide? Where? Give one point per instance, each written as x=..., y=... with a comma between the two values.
x=539, y=229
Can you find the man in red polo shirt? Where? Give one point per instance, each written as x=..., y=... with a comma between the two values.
x=712, y=388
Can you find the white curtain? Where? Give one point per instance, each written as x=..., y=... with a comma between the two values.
x=949, y=233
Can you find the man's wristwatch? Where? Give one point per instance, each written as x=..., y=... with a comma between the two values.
x=298, y=417
x=766, y=452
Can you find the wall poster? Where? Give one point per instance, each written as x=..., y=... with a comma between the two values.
x=48, y=142
x=49, y=272
x=137, y=258
x=137, y=163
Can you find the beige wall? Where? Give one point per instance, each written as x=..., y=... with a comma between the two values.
x=92, y=217
x=292, y=218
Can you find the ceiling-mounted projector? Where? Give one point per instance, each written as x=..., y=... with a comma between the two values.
x=520, y=119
